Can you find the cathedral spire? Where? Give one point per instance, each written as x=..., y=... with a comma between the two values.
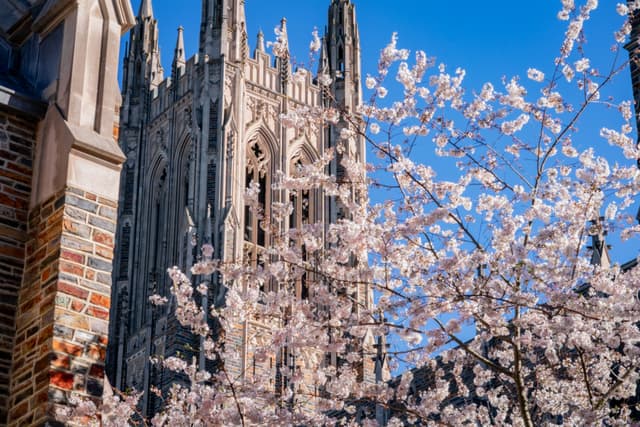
x=223, y=29
x=142, y=70
x=146, y=9
x=179, y=60
x=343, y=52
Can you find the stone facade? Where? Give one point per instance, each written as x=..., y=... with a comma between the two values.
x=193, y=142
x=59, y=171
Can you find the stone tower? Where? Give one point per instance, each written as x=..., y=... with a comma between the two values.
x=193, y=142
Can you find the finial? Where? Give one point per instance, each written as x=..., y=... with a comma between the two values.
x=260, y=42
x=600, y=255
x=323, y=63
x=178, y=55
x=146, y=10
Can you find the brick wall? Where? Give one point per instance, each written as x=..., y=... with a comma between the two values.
x=17, y=136
x=62, y=322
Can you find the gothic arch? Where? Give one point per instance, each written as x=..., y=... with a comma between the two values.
x=305, y=207
x=303, y=149
x=259, y=132
x=182, y=155
x=158, y=163
x=183, y=199
x=154, y=221
x=261, y=161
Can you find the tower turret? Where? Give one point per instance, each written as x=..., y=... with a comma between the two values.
x=341, y=57
x=343, y=52
x=142, y=66
x=146, y=9
x=223, y=30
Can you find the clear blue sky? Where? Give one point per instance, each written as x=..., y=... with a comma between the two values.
x=489, y=39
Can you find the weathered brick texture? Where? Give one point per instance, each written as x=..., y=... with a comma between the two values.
x=17, y=136
x=63, y=312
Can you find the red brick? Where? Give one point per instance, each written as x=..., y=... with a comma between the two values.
x=101, y=300
x=30, y=303
x=104, y=252
x=42, y=397
x=50, y=232
x=103, y=238
x=82, y=230
x=19, y=410
x=24, y=197
x=97, y=352
x=15, y=176
x=19, y=168
x=98, y=312
x=63, y=380
x=46, y=274
x=30, y=342
x=90, y=274
x=11, y=202
x=72, y=290
x=61, y=361
x=44, y=334
x=67, y=348
x=72, y=269
x=72, y=256
x=96, y=371
x=107, y=202
x=47, y=304
x=55, y=218
x=37, y=256
x=12, y=252
x=91, y=196
x=77, y=306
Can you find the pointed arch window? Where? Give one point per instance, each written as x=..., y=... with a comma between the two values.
x=158, y=229
x=258, y=172
x=184, y=207
x=303, y=213
x=138, y=77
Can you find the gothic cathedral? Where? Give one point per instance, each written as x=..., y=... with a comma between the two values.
x=193, y=141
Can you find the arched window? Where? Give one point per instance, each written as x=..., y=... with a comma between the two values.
x=341, y=61
x=302, y=214
x=138, y=78
x=184, y=209
x=258, y=172
x=157, y=235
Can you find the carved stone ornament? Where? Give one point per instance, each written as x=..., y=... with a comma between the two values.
x=231, y=142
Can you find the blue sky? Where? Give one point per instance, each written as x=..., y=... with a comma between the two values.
x=488, y=39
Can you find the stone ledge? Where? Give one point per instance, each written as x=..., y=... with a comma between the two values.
x=21, y=102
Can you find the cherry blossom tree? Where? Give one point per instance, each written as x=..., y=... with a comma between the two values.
x=478, y=262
